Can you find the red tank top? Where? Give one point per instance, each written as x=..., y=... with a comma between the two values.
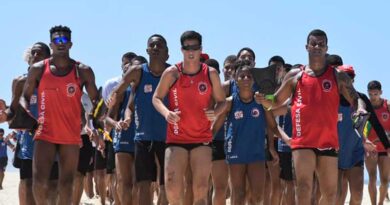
x=190, y=94
x=59, y=107
x=383, y=115
x=315, y=112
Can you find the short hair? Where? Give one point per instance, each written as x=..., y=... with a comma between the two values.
x=45, y=48
x=158, y=36
x=140, y=59
x=129, y=55
x=317, y=32
x=246, y=49
x=213, y=63
x=190, y=35
x=1, y=130
x=334, y=60
x=240, y=65
x=60, y=28
x=276, y=59
x=230, y=58
x=298, y=65
x=374, y=85
x=287, y=67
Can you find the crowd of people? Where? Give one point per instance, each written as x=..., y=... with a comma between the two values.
x=182, y=134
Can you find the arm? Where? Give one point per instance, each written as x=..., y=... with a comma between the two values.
x=348, y=91
x=168, y=77
x=218, y=92
x=220, y=119
x=272, y=129
x=226, y=87
x=17, y=90
x=32, y=80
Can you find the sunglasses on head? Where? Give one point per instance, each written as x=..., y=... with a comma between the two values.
x=191, y=47
x=60, y=39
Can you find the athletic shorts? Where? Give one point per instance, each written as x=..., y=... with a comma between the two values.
x=382, y=154
x=3, y=163
x=327, y=152
x=190, y=146
x=218, y=148
x=286, y=166
x=123, y=142
x=85, y=156
x=110, y=158
x=100, y=161
x=145, y=160
x=25, y=170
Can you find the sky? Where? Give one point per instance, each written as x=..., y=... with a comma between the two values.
x=104, y=30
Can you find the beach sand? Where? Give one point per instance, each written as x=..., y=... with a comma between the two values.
x=9, y=195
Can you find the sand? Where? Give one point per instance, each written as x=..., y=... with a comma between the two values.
x=9, y=195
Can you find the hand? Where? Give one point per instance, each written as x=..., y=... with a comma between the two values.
x=173, y=117
x=126, y=123
x=359, y=111
x=259, y=98
x=275, y=157
x=210, y=114
x=119, y=125
x=89, y=132
x=369, y=147
x=111, y=100
x=287, y=141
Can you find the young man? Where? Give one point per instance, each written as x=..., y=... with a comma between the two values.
x=189, y=135
x=3, y=156
x=150, y=126
x=315, y=89
x=381, y=159
x=59, y=80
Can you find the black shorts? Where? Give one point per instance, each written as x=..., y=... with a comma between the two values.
x=145, y=160
x=218, y=150
x=110, y=157
x=91, y=166
x=25, y=170
x=189, y=146
x=99, y=161
x=86, y=153
x=286, y=166
x=3, y=163
x=326, y=152
x=382, y=154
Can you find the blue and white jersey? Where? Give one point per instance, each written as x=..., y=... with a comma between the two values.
x=3, y=148
x=150, y=125
x=351, y=149
x=285, y=122
x=245, y=135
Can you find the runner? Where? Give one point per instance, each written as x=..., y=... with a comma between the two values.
x=188, y=135
x=315, y=89
x=59, y=81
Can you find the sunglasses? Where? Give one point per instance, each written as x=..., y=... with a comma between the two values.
x=191, y=47
x=60, y=39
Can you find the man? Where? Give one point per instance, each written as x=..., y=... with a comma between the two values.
x=381, y=159
x=188, y=134
x=3, y=155
x=123, y=138
x=59, y=80
x=315, y=89
x=150, y=126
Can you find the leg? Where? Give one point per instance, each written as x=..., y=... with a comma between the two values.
x=53, y=184
x=200, y=159
x=256, y=176
x=355, y=178
x=342, y=187
x=268, y=186
x=237, y=178
x=304, y=163
x=176, y=160
x=384, y=171
x=44, y=154
x=160, y=161
x=371, y=166
x=124, y=167
x=68, y=161
x=188, y=192
x=78, y=184
x=327, y=178
x=88, y=184
x=274, y=171
x=220, y=174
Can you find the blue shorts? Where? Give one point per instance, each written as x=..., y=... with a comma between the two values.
x=123, y=141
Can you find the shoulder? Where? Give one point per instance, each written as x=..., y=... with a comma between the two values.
x=171, y=71
x=293, y=73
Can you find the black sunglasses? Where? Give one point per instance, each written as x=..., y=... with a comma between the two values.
x=191, y=47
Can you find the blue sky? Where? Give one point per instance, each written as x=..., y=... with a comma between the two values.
x=104, y=30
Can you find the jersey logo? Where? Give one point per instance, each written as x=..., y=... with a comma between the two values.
x=255, y=112
x=340, y=117
x=326, y=85
x=33, y=99
x=202, y=88
x=148, y=88
x=238, y=115
x=385, y=116
x=70, y=89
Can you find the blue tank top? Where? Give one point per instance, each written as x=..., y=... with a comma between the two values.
x=3, y=148
x=149, y=124
x=246, y=126
x=220, y=136
x=130, y=131
x=285, y=122
x=26, y=137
